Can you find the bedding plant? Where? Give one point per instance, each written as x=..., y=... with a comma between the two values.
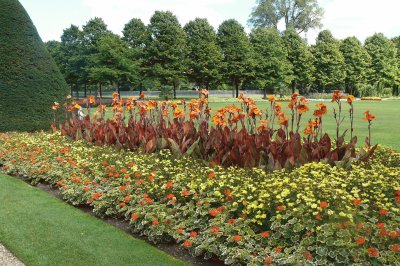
x=315, y=212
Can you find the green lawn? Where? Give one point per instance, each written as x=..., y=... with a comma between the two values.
x=385, y=129
x=42, y=230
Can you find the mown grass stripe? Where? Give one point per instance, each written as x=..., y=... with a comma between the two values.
x=42, y=230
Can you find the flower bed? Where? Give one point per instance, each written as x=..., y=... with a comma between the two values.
x=371, y=99
x=316, y=213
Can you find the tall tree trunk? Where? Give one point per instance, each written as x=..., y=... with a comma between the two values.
x=72, y=91
x=207, y=85
x=77, y=91
x=101, y=93
x=237, y=89
x=293, y=84
x=265, y=93
x=118, y=90
x=174, y=90
x=140, y=87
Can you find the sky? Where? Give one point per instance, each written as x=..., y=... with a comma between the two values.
x=359, y=18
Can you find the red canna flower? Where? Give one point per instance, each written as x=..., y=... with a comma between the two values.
x=368, y=117
x=237, y=238
x=357, y=202
x=373, y=252
x=360, y=241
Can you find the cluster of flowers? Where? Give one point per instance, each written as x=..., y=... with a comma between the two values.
x=233, y=135
x=317, y=213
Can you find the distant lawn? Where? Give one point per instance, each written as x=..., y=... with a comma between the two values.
x=42, y=230
x=385, y=129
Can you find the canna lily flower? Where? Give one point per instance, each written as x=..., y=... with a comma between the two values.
x=263, y=125
x=115, y=95
x=55, y=106
x=141, y=96
x=271, y=98
x=368, y=117
x=178, y=113
x=350, y=99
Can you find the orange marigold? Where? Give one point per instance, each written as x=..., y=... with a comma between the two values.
x=323, y=204
x=187, y=244
x=237, y=238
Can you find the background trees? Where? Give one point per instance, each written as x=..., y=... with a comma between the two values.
x=236, y=48
x=300, y=15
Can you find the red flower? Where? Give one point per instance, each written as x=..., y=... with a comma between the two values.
x=237, y=238
x=323, y=204
x=265, y=234
x=383, y=233
x=369, y=117
x=278, y=249
x=127, y=198
x=214, y=229
x=187, y=244
x=268, y=259
x=155, y=222
x=373, y=252
x=383, y=212
x=359, y=226
x=185, y=193
x=214, y=212
x=169, y=184
x=280, y=208
x=397, y=192
x=357, y=202
x=395, y=248
x=380, y=225
x=180, y=230
x=308, y=255
x=134, y=216
x=393, y=234
x=231, y=221
x=122, y=204
x=193, y=234
x=397, y=199
x=122, y=188
x=360, y=241
x=211, y=175
x=170, y=196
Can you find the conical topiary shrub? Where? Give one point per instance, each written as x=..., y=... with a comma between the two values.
x=30, y=81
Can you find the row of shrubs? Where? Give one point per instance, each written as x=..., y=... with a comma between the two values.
x=316, y=214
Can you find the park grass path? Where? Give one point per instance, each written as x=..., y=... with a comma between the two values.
x=42, y=230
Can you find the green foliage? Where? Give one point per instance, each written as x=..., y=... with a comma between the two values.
x=299, y=15
x=385, y=67
x=205, y=57
x=329, y=62
x=29, y=79
x=236, y=48
x=113, y=61
x=302, y=60
x=168, y=49
x=272, y=69
x=357, y=64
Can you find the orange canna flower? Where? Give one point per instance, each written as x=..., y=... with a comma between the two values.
x=263, y=125
x=395, y=248
x=115, y=95
x=350, y=99
x=271, y=98
x=302, y=108
x=141, y=96
x=178, y=112
x=368, y=117
x=283, y=120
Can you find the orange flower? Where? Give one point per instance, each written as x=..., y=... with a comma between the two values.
x=237, y=238
x=395, y=248
x=308, y=255
x=178, y=113
x=323, y=204
x=392, y=234
x=193, y=234
x=383, y=212
x=368, y=117
x=211, y=175
x=55, y=106
x=265, y=234
x=127, y=198
x=280, y=208
x=231, y=221
x=278, y=249
x=337, y=95
x=357, y=202
x=309, y=131
x=271, y=98
x=214, y=229
x=122, y=204
x=302, y=108
x=141, y=96
x=170, y=196
x=263, y=125
x=180, y=230
x=185, y=193
x=134, y=216
x=373, y=252
x=380, y=225
x=169, y=184
x=350, y=99
x=360, y=241
x=283, y=121
x=187, y=244
x=155, y=222
x=214, y=212
x=122, y=188
x=115, y=95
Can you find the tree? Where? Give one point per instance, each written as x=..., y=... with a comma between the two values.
x=136, y=34
x=396, y=42
x=384, y=65
x=302, y=60
x=114, y=61
x=300, y=15
x=30, y=81
x=205, y=55
x=73, y=62
x=167, y=51
x=357, y=63
x=329, y=62
x=272, y=69
x=92, y=32
x=237, y=52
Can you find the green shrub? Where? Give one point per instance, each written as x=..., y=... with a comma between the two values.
x=29, y=78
